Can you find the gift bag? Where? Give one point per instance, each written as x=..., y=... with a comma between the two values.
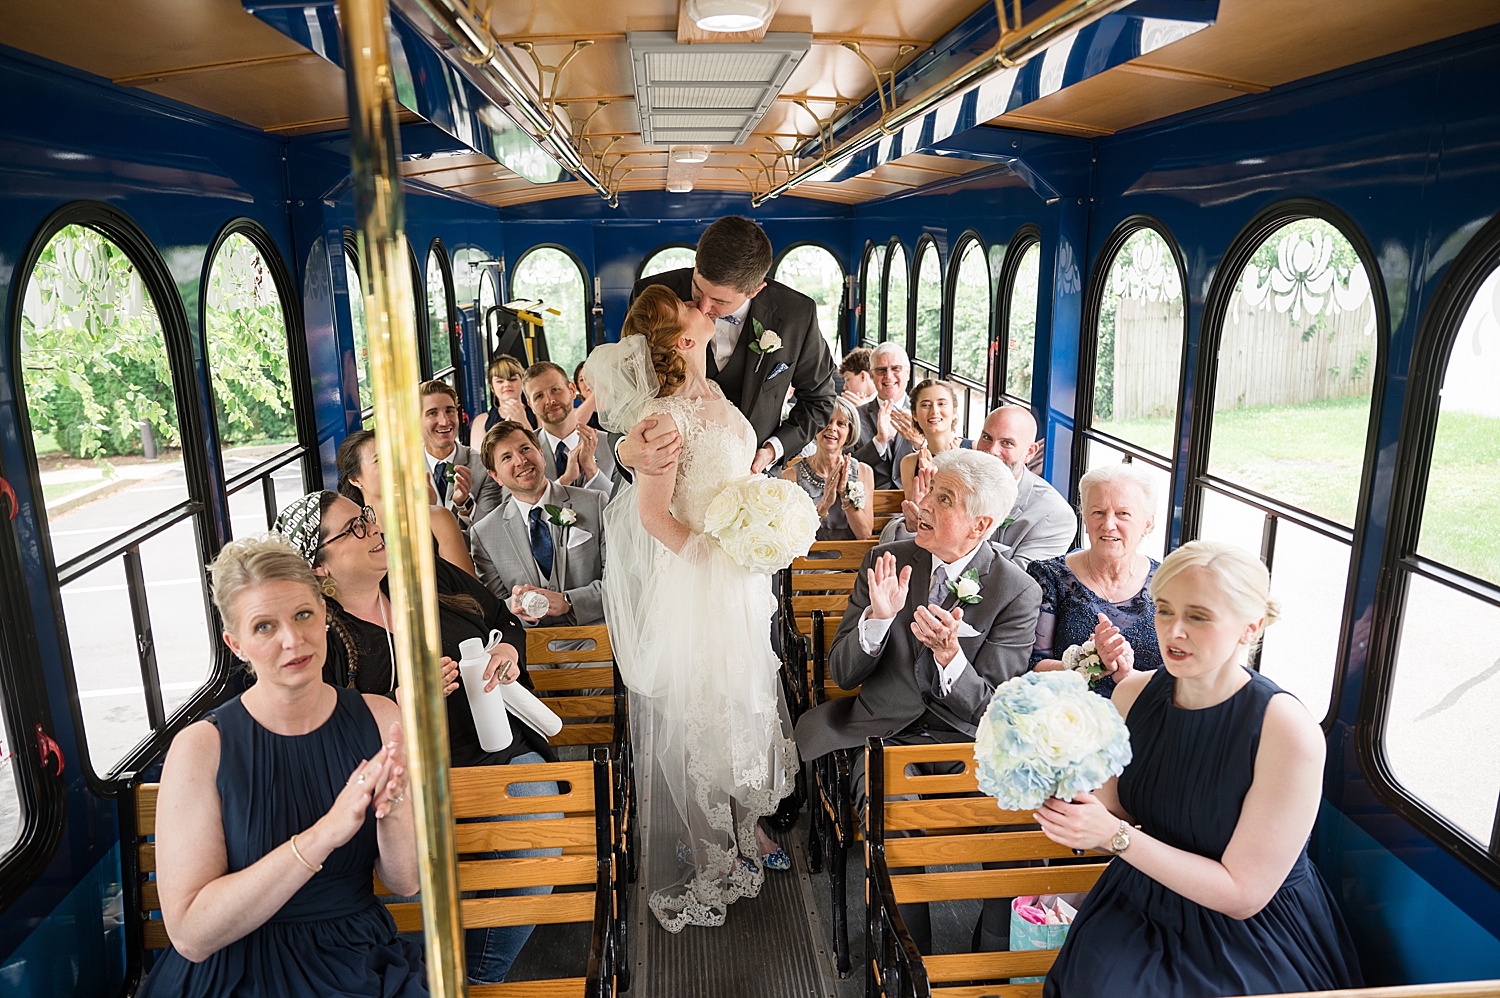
x=1039, y=923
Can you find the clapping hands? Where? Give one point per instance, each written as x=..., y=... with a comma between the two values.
x=1114, y=651
x=888, y=588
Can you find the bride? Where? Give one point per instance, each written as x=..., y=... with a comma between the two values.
x=691, y=629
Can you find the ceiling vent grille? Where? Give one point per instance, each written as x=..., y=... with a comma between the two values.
x=711, y=94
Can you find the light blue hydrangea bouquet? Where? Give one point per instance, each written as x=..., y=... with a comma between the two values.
x=1045, y=735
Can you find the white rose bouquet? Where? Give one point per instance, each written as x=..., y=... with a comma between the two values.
x=1045, y=735
x=762, y=523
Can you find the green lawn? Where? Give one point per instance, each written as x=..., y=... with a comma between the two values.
x=1312, y=455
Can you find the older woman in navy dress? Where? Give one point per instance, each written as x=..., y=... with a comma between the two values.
x=1212, y=892
x=1103, y=591
x=277, y=808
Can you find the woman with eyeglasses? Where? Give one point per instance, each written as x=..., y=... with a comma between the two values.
x=347, y=555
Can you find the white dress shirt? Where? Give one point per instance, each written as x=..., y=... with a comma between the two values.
x=727, y=332
x=872, y=632
x=432, y=463
x=525, y=508
x=600, y=482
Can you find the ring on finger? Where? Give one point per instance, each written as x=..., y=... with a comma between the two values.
x=361, y=781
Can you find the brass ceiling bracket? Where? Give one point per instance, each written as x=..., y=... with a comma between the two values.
x=825, y=125
x=1005, y=26
x=749, y=179
x=489, y=37
x=579, y=128
x=885, y=79
x=543, y=85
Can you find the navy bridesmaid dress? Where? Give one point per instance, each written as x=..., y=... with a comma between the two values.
x=332, y=938
x=1185, y=786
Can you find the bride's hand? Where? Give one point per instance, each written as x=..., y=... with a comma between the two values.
x=887, y=587
x=763, y=458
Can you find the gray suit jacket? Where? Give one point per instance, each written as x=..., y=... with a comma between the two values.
x=901, y=683
x=1042, y=524
x=487, y=492
x=503, y=558
x=604, y=457
x=887, y=468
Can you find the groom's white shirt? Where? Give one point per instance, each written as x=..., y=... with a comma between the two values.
x=872, y=632
x=727, y=334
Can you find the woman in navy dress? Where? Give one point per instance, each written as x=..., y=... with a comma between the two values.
x=277, y=808
x=1212, y=892
x=1103, y=591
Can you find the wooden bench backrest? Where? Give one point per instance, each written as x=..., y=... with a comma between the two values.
x=963, y=830
x=581, y=713
x=888, y=501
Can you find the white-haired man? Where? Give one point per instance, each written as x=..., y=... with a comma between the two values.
x=933, y=626
x=1041, y=524
x=885, y=423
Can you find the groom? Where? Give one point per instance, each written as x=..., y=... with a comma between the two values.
x=728, y=284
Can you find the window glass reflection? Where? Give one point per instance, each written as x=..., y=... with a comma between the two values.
x=551, y=275
x=971, y=314
x=870, y=294
x=671, y=258
x=929, y=306
x=1020, y=340
x=818, y=274
x=896, y=297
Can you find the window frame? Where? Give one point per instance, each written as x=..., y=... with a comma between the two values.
x=843, y=286
x=924, y=241
x=351, y=266
x=588, y=289
x=864, y=293
x=177, y=338
x=972, y=389
x=1400, y=560
x=455, y=354
x=640, y=267
x=885, y=288
x=1200, y=431
x=1025, y=237
x=305, y=449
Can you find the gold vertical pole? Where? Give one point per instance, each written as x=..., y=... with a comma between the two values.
x=374, y=152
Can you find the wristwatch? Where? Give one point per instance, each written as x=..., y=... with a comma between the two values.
x=567, y=600
x=1121, y=841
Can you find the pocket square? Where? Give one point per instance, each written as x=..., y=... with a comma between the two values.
x=965, y=631
x=577, y=536
x=778, y=369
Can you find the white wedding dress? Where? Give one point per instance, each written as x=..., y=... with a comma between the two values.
x=692, y=636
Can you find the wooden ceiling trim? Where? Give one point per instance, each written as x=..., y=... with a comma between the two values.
x=1174, y=73
x=162, y=75
x=1032, y=123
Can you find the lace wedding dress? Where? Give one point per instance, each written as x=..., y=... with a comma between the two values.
x=692, y=636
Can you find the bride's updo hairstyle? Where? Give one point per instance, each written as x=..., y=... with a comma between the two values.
x=1241, y=576
x=654, y=316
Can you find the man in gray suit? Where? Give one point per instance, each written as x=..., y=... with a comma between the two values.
x=569, y=448
x=933, y=626
x=885, y=423
x=548, y=538
x=454, y=469
x=1042, y=524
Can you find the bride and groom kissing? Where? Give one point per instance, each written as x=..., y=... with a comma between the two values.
x=693, y=394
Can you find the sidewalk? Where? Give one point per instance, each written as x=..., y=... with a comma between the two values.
x=98, y=482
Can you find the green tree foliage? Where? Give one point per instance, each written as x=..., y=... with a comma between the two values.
x=929, y=306
x=247, y=349
x=874, y=265
x=816, y=273
x=439, y=329
x=552, y=276
x=971, y=315
x=92, y=354
x=1020, y=347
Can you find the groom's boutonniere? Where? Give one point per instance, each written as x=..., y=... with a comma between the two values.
x=766, y=341
x=1007, y=522
x=966, y=587
x=560, y=515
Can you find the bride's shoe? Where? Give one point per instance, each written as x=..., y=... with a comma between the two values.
x=777, y=860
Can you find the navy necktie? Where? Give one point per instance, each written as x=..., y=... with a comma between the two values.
x=561, y=458
x=440, y=480
x=541, y=543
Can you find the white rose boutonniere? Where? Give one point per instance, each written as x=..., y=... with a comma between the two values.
x=766, y=341
x=560, y=515
x=854, y=494
x=966, y=587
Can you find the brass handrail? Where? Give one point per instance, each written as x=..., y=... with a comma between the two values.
x=374, y=154
x=1013, y=49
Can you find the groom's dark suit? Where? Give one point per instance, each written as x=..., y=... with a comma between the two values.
x=757, y=384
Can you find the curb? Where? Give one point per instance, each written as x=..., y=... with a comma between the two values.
x=73, y=500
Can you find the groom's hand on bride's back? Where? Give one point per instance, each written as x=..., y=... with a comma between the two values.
x=650, y=448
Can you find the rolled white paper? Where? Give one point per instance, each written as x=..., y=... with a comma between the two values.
x=523, y=703
x=490, y=718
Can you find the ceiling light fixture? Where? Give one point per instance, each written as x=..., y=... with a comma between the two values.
x=689, y=154
x=729, y=15
x=681, y=187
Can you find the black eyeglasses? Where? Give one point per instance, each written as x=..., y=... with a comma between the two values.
x=359, y=527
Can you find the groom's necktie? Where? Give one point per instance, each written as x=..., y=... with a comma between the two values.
x=440, y=480
x=561, y=457
x=939, y=590
x=541, y=544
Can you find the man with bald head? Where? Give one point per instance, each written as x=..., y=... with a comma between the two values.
x=1041, y=524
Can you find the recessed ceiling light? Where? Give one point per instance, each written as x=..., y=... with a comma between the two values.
x=682, y=187
x=689, y=154
x=729, y=15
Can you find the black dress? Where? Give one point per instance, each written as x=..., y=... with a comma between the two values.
x=332, y=938
x=361, y=658
x=1185, y=786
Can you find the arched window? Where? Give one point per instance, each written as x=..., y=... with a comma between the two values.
x=552, y=275
x=668, y=258
x=896, y=300
x=489, y=297
x=1287, y=432
x=1020, y=288
x=1436, y=725
x=440, y=318
x=112, y=419
x=1137, y=365
x=970, y=363
x=817, y=273
x=870, y=295
x=252, y=373
x=356, y=292
x=927, y=350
